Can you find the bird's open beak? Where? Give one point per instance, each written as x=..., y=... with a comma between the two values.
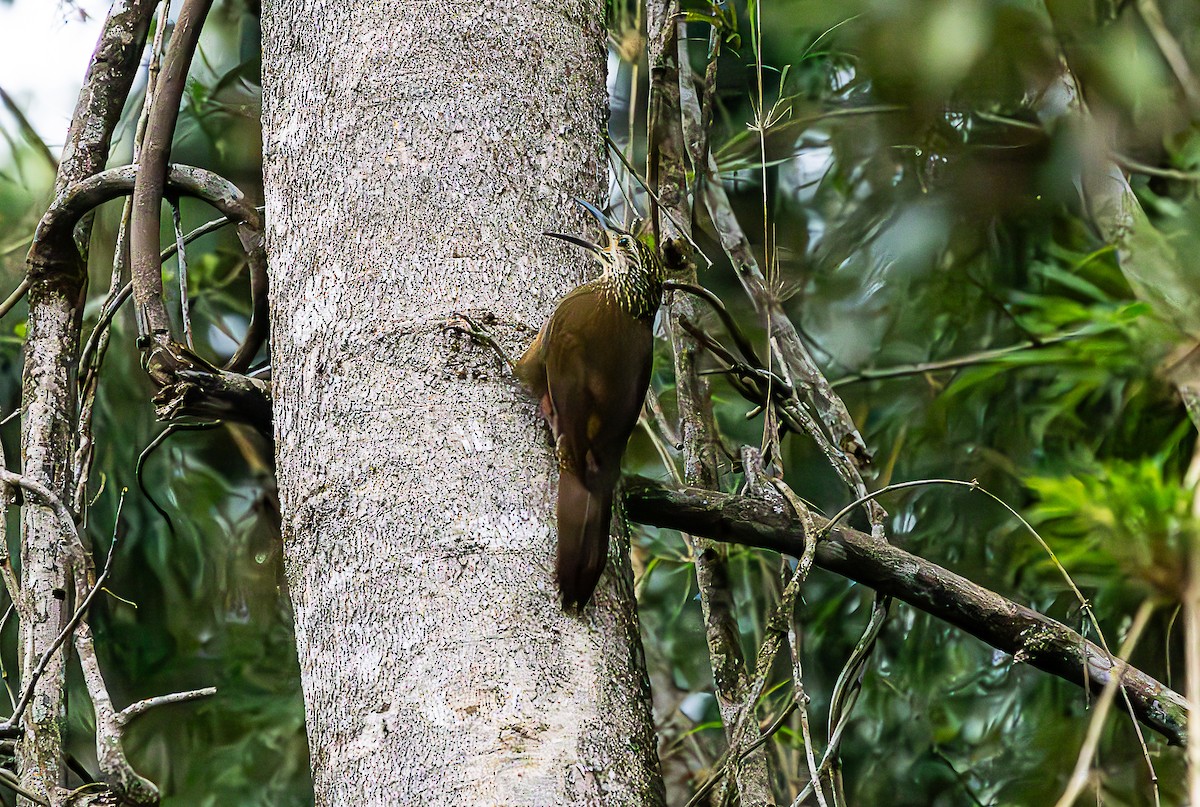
x=580, y=242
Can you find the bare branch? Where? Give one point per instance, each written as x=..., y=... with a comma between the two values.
x=115, y=769
x=134, y=710
x=151, y=181
x=49, y=499
x=667, y=180
x=1171, y=51
x=1008, y=626
x=44, y=661
x=9, y=779
x=78, y=199
x=56, y=298
x=17, y=295
x=955, y=363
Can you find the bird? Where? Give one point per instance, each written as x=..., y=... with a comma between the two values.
x=589, y=367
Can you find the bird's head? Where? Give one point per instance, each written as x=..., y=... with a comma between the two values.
x=620, y=251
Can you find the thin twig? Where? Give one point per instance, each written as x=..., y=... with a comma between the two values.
x=30, y=134
x=10, y=780
x=958, y=362
x=91, y=359
x=845, y=694
x=745, y=371
x=181, y=262
x=1130, y=164
x=1079, y=777
x=654, y=406
x=18, y=293
x=44, y=661
x=1172, y=53
x=776, y=624
x=12, y=700
x=134, y=710
x=686, y=232
x=740, y=339
x=800, y=698
x=51, y=500
x=151, y=180
x=109, y=310
x=153, y=446
x=722, y=764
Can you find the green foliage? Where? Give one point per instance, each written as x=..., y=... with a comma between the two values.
x=1123, y=520
x=923, y=206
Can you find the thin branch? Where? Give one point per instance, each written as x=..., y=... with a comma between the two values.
x=117, y=773
x=1136, y=167
x=672, y=219
x=845, y=694
x=1171, y=51
x=135, y=710
x=49, y=499
x=956, y=363
x=109, y=310
x=154, y=445
x=1079, y=776
x=50, y=377
x=1008, y=626
x=12, y=699
x=668, y=430
x=17, y=295
x=800, y=697
x=81, y=197
x=776, y=626
x=743, y=343
x=184, y=312
x=151, y=180
x=44, y=661
x=723, y=763
x=115, y=770
x=9, y=779
x=92, y=357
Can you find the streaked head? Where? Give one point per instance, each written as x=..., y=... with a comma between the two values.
x=621, y=251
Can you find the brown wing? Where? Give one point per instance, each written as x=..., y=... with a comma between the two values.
x=590, y=366
x=597, y=367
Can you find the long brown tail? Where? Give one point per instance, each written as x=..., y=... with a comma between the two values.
x=583, y=521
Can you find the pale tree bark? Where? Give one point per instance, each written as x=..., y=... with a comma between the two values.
x=414, y=154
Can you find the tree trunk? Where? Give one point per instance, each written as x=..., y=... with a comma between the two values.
x=414, y=155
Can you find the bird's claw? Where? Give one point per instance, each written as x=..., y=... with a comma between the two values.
x=468, y=327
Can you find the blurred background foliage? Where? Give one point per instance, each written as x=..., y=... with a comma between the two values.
x=922, y=187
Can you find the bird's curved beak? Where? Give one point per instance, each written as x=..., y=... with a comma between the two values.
x=579, y=242
x=605, y=221
x=606, y=224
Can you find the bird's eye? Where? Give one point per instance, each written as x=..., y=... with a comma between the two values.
x=625, y=241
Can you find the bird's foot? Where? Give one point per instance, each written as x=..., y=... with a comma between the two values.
x=470, y=328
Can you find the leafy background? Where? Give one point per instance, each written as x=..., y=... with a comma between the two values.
x=917, y=209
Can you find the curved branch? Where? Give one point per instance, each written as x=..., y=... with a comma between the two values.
x=181, y=180
x=150, y=312
x=75, y=201
x=1029, y=636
